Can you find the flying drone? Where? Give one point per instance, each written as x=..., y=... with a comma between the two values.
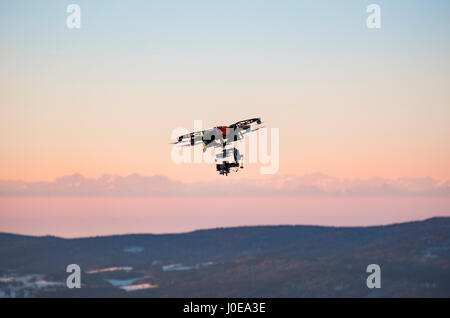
x=224, y=137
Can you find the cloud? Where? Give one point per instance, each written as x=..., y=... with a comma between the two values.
x=135, y=185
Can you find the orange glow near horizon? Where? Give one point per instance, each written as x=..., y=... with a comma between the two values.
x=81, y=217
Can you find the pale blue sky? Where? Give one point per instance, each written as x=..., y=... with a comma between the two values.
x=240, y=28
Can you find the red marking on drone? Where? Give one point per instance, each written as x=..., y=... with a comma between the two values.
x=224, y=130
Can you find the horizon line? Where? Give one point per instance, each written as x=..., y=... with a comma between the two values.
x=229, y=228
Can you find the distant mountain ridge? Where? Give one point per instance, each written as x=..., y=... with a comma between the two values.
x=254, y=261
x=433, y=219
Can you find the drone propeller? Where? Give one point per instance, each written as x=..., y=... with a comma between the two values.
x=258, y=128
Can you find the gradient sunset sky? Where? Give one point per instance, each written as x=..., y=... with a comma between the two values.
x=350, y=102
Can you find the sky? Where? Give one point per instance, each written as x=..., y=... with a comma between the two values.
x=350, y=102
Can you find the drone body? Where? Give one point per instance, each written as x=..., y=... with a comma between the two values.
x=223, y=136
